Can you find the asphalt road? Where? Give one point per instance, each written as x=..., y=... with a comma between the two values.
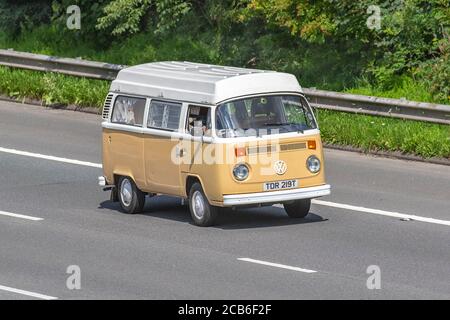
x=161, y=255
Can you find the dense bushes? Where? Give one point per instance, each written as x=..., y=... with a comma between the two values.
x=326, y=43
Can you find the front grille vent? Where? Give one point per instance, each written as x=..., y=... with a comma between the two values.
x=261, y=149
x=293, y=146
x=107, y=107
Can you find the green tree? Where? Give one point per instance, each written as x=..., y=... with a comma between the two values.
x=124, y=17
x=20, y=15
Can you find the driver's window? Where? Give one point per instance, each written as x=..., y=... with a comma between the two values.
x=199, y=121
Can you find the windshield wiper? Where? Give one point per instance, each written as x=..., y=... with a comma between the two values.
x=270, y=124
x=285, y=124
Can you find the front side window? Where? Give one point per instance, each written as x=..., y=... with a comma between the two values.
x=129, y=110
x=199, y=121
x=164, y=115
x=264, y=115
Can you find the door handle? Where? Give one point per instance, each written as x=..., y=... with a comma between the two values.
x=180, y=152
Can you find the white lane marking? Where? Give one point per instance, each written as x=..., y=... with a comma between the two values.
x=318, y=202
x=20, y=216
x=277, y=265
x=28, y=293
x=381, y=212
x=51, y=158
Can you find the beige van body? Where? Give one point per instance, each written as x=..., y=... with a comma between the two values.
x=218, y=136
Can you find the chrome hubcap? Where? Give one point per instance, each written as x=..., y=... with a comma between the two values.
x=126, y=192
x=198, y=205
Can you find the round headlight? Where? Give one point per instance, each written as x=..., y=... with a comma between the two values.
x=313, y=164
x=241, y=172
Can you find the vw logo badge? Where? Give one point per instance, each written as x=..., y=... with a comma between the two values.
x=280, y=167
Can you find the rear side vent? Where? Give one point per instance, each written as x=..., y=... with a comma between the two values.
x=107, y=107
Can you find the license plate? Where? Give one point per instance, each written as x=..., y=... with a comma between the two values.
x=280, y=185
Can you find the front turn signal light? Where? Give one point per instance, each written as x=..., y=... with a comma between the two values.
x=240, y=152
x=312, y=145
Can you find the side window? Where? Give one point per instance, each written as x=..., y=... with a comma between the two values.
x=129, y=110
x=164, y=115
x=199, y=121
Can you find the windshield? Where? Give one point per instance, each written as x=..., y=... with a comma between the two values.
x=264, y=115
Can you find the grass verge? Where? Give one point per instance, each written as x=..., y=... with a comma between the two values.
x=427, y=140
x=52, y=88
x=405, y=87
x=366, y=132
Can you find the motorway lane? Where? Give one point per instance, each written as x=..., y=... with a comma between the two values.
x=395, y=185
x=68, y=134
x=161, y=255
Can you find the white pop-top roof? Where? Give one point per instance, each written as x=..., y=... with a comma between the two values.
x=200, y=83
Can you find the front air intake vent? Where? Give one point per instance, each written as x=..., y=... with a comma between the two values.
x=262, y=149
x=293, y=146
x=107, y=106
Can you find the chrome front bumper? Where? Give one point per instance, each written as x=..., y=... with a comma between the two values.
x=276, y=196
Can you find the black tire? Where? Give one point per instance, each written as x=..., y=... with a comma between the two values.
x=207, y=215
x=298, y=209
x=136, y=201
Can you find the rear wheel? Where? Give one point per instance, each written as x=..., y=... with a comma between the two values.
x=203, y=214
x=298, y=208
x=132, y=200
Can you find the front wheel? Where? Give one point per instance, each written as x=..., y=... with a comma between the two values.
x=132, y=200
x=298, y=208
x=203, y=214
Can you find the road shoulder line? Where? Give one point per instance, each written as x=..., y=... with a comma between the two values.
x=381, y=212
x=277, y=265
x=51, y=158
x=20, y=216
x=27, y=293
